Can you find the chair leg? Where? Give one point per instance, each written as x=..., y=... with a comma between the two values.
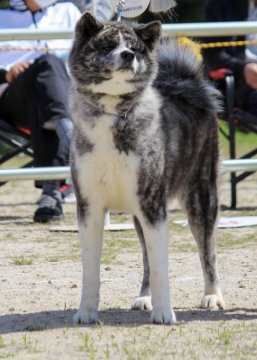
x=232, y=146
x=233, y=191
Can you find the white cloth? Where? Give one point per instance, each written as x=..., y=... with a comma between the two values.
x=56, y=17
x=101, y=9
x=251, y=50
x=157, y=6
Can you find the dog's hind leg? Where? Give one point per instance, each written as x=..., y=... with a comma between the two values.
x=91, y=223
x=143, y=301
x=201, y=205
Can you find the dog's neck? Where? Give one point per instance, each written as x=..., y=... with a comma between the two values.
x=112, y=105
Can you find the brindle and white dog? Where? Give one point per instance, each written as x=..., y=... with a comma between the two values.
x=145, y=131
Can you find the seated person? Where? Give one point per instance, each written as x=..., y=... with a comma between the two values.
x=240, y=59
x=34, y=94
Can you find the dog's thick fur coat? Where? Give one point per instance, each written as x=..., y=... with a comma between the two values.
x=145, y=131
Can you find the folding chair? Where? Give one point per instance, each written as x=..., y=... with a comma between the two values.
x=235, y=117
x=17, y=141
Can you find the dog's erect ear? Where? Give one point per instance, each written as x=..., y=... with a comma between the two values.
x=87, y=26
x=149, y=33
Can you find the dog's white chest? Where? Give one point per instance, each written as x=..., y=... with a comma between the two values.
x=108, y=173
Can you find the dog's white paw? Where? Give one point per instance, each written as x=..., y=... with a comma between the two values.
x=83, y=316
x=142, y=303
x=163, y=316
x=213, y=301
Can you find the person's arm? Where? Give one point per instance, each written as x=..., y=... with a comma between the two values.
x=32, y=5
x=7, y=76
x=250, y=75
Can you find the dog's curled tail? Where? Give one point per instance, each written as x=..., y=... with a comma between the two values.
x=180, y=77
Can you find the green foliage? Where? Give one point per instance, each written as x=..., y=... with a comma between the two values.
x=245, y=142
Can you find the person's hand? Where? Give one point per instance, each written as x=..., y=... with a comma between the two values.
x=16, y=69
x=32, y=5
x=250, y=75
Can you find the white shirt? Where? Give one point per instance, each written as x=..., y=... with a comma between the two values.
x=251, y=50
x=56, y=17
x=61, y=15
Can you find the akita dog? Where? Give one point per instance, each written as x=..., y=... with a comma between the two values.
x=145, y=131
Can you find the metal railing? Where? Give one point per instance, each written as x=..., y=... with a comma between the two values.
x=63, y=172
x=185, y=29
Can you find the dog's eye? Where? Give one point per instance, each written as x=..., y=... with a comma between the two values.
x=108, y=47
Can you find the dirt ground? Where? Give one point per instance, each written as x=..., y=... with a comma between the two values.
x=40, y=284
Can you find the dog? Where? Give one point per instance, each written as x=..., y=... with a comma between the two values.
x=145, y=131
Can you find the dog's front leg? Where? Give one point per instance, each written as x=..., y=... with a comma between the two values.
x=156, y=237
x=91, y=236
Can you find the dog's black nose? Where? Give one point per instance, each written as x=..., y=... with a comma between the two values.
x=127, y=55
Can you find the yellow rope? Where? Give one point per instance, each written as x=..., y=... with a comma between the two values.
x=228, y=44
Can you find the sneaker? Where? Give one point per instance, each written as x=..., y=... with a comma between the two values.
x=49, y=207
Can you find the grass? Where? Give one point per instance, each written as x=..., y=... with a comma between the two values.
x=235, y=240
x=116, y=243
x=21, y=260
x=220, y=341
x=244, y=142
x=15, y=162
x=234, y=338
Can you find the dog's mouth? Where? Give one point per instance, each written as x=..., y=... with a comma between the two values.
x=108, y=72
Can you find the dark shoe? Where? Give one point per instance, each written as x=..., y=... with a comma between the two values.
x=50, y=207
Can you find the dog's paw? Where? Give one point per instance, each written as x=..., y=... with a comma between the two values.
x=163, y=316
x=142, y=303
x=85, y=317
x=213, y=302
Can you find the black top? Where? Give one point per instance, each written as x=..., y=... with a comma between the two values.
x=2, y=76
x=230, y=57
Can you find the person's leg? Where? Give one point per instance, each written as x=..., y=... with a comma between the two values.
x=52, y=86
x=39, y=96
x=52, y=99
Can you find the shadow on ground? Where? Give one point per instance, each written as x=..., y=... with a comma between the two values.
x=12, y=323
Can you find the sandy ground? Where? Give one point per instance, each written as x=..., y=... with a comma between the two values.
x=40, y=284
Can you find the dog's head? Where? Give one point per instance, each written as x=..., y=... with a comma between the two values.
x=113, y=58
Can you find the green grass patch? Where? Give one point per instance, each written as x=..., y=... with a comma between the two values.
x=2, y=345
x=16, y=162
x=245, y=142
x=184, y=247
x=118, y=243
x=228, y=240
x=21, y=260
